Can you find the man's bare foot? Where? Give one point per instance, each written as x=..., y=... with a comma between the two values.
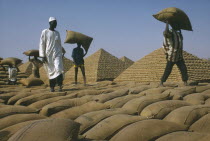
x=185, y=83
x=161, y=84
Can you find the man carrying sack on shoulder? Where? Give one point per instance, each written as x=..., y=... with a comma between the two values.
x=50, y=50
x=173, y=48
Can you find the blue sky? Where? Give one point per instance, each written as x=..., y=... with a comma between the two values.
x=121, y=27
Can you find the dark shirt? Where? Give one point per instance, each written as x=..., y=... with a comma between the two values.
x=78, y=55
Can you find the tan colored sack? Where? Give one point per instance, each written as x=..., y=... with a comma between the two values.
x=7, y=96
x=137, y=90
x=76, y=37
x=159, y=110
x=184, y=136
x=88, y=120
x=41, y=103
x=34, y=98
x=120, y=101
x=75, y=112
x=176, y=17
x=138, y=104
x=106, y=97
x=180, y=92
x=109, y=126
x=200, y=89
x=32, y=53
x=64, y=104
x=196, y=98
x=154, y=90
x=48, y=130
x=6, y=133
x=31, y=81
x=206, y=92
x=187, y=115
x=146, y=130
x=18, y=96
x=93, y=92
x=202, y=125
x=17, y=118
x=11, y=110
x=11, y=61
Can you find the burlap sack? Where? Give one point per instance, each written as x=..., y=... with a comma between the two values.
x=106, y=97
x=11, y=110
x=146, y=130
x=180, y=92
x=2, y=101
x=18, y=118
x=202, y=125
x=138, y=104
x=76, y=37
x=18, y=96
x=160, y=109
x=197, y=98
x=32, y=53
x=7, y=96
x=93, y=92
x=75, y=112
x=137, y=90
x=34, y=98
x=32, y=81
x=184, y=136
x=6, y=133
x=120, y=101
x=109, y=126
x=48, y=130
x=206, y=92
x=154, y=90
x=10, y=61
x=200, y=89
x=176, y=17
x=41, y=103
x=61, y=105
x=187, y=115
x=207, y=102
x=90, y=119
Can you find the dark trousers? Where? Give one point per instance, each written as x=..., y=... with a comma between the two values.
x=169, y=66
x=58, y=80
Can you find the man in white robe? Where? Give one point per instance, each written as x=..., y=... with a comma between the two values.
x=50, y=49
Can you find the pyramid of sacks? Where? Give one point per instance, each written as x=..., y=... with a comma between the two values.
x=99, y=66
x=151, y=68
x=128, y=62
x=67, y=63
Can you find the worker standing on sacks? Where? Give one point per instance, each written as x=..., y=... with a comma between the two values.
x=173, y=47
x=50, y=50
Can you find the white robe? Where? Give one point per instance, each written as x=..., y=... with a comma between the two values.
x=50, y=47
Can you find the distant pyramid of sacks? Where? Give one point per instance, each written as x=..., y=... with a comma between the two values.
x=99, y=66
x=67, y=65
x=128, y=62
x=151, y=68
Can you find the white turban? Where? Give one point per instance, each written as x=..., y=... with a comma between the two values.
x=52, y=19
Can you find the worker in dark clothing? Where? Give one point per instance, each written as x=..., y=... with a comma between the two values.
x=173, y=47
x=77, y=56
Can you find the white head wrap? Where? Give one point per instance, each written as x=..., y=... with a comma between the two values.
x=52, y=19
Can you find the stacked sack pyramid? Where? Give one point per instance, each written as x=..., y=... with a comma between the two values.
x=99, y=66
x=151, y=68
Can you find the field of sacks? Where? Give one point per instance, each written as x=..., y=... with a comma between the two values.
x=115, y=111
